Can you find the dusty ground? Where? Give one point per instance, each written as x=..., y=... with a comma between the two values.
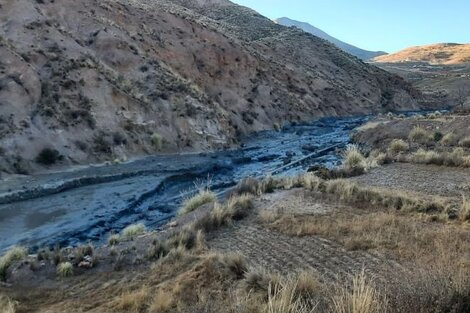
x=289, y=231
x=422, y=179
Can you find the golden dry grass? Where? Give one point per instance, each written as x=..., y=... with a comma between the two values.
x=7, y=305
x=204, y=196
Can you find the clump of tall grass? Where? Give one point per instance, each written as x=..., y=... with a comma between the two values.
x=464, y=213
x=398, y=146
x=132, y=231
x=362, y=297
x=449, y=139
x=157, y=141
x=419, y=135
x=15, y=254
x=65, y=269
x=203, y=196
x=465, y=142
x=113, y=239
x=456, y=157
x=7, y=305
x=353, y=158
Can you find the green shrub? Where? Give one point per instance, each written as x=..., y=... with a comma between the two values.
x=157, y=141
x=48, y=156
x=438, y=136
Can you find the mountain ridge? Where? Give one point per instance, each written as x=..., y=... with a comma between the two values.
x=438, y=54
x=358, y=52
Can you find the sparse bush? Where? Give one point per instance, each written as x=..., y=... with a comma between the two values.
x=438, y=136
x=132, y=231
x=465, y=142
x=157, y=141
x=204, y=196
x=65, y=269
x=15, y=254
x=419, y=135
x=353, y=158
x=48, y=156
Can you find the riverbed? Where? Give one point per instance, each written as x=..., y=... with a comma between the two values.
x=76, y=206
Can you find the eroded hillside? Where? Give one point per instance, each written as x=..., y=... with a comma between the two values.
x=88, y=81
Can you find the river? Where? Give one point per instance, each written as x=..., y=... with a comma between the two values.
x=68, y=208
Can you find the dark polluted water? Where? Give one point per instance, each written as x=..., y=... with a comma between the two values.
x=87, y=204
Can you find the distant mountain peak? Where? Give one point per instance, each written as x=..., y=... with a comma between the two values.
x=358, y=52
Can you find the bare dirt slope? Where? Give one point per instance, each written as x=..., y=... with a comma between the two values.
x=100, y=80
x=445, y=53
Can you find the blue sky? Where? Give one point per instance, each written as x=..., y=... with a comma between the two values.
x=388, y=25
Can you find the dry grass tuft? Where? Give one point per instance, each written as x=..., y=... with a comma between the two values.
x=134, y=301
x=456, y=158
x=361, y=298
x=131, y=231
x=15, y=254
x=162, y=302
x=113, y=239
x=465, y=142
x=204, y=196
x=449, y=139
x=419, y=135
x=65, y=269
x=353, y=158
x=7, y=305
x=398, y=146
x=464, y=213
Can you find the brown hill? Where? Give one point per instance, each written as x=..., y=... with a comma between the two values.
x=446, y=53
x=100, y=80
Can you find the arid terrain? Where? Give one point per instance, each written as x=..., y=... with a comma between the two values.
x=87, y=81
x=438, y=54
x=193, y=156
x=393, y=238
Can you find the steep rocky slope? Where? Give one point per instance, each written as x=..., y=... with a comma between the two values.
x=358, y=52
x=95, y=80
x=444, y=53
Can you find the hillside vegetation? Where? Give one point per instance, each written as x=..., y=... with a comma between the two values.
x=89, y=81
